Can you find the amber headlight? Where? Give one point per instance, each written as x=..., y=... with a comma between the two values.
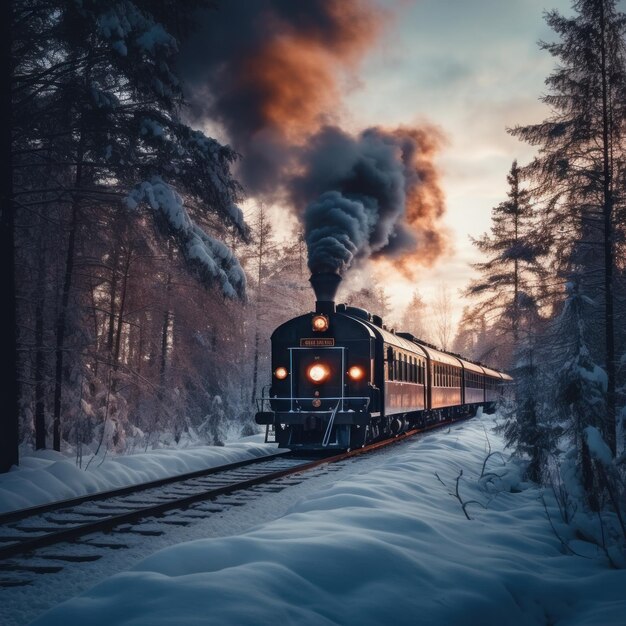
x=318, y=373
x=320, y=323
x=356, y=372
x=280, y=373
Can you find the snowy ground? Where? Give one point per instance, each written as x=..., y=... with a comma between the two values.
x=387, y=543
x=46, y=476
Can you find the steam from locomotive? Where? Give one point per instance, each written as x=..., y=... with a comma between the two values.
x=272, y=71
x=377, y=196
x=273, y=74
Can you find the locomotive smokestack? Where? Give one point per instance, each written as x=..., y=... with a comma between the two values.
x=325, y=285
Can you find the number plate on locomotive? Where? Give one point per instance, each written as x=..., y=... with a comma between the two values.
x=317, y=342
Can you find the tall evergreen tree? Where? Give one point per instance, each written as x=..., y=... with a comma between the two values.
x=9, y=393
x=96, y=144
x=509, y=276
x=580, y=161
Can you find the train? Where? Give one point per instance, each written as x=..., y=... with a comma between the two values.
x=342, y=380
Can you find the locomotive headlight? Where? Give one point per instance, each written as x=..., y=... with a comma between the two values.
x=356, y=372
x=281, y=373
x=318, y=373
x=320, y=323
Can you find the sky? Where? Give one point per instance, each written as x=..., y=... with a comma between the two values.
x=472, y=68
x=263, y=74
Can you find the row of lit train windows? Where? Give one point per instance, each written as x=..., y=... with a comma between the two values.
x=405, y=368
x=446, y=375
x=474, y=380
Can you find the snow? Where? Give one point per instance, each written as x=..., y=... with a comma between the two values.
x=389, y=544
x=597, y=446
x=46, y=476
x=151, y=128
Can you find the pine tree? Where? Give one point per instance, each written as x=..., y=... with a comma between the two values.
x=505, y=287
x=581, y=158
x=9, y=391
x=413, y=319
x=98, y=148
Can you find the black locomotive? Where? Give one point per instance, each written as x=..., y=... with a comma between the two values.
x=342, y=380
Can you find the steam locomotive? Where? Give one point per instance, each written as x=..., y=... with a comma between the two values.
x=341, y=379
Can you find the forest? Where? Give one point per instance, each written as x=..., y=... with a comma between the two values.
x=140, y=296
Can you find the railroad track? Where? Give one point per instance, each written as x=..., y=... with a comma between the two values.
x=26, y=536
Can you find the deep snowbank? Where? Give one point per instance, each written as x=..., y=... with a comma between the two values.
x=46, y=476
x=391, y=546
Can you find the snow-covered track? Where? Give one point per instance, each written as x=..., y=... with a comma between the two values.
x=19, y=514
x=27, y=535
x=24, y=531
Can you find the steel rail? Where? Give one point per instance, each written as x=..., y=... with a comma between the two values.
x=108, y=523
x=19, y=514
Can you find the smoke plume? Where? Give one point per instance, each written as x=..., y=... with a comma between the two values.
x=378, y=196
x=272, y=73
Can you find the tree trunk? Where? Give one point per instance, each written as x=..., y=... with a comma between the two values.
x=9, y=389
x=40, y=412
x=120, y=317
x=113, y=297
x=607, y=210
x=61, y=325
x=165, y=329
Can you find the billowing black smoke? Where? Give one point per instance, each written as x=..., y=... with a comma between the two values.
x=269, y=72
x=371, y=192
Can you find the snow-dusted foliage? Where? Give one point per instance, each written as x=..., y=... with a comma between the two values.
x=109, y=313
x=554, y=276
x=212, y=259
